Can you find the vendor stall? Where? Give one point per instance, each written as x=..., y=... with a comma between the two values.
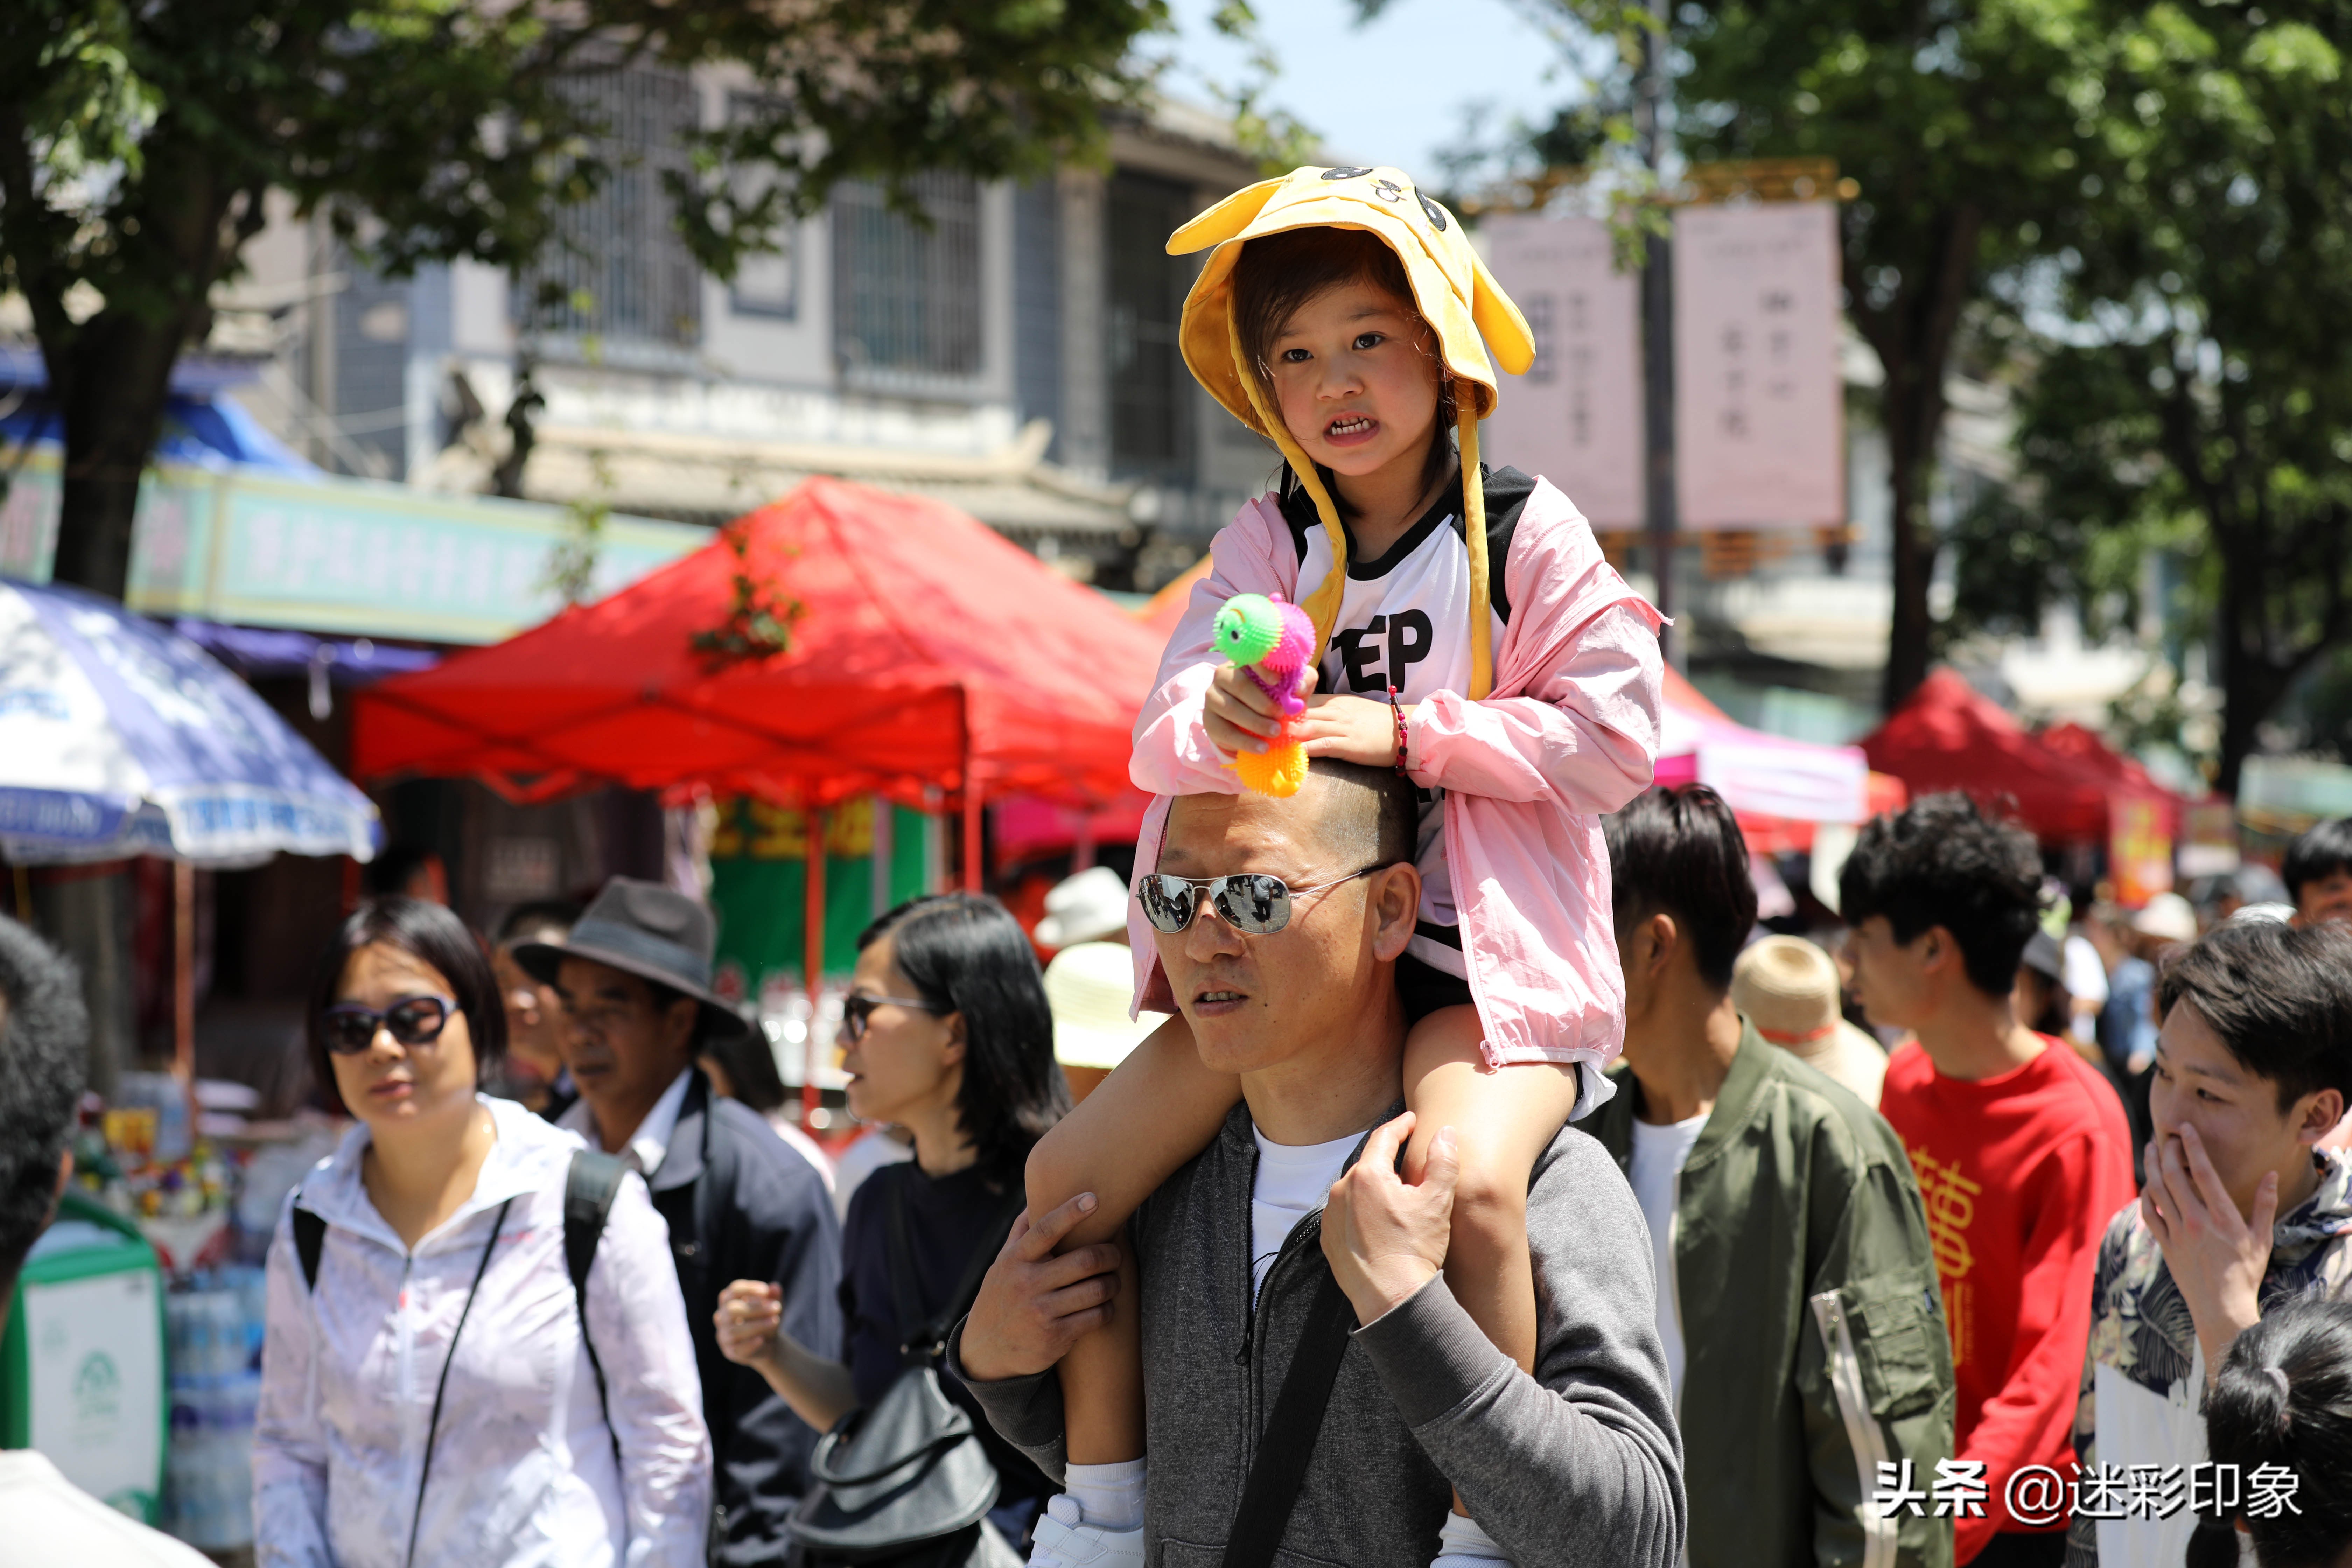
x=120, y=738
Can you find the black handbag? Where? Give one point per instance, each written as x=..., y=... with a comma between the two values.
x=905, y=1482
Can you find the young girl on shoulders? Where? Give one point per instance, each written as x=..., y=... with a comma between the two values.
x=1470, y=634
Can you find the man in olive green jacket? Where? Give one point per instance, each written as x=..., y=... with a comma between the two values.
x=1797, y=1293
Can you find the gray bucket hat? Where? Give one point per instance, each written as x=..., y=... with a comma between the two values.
x=654, y=933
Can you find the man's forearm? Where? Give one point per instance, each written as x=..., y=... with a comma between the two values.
x=1025, y=1411
x=1585, y=1470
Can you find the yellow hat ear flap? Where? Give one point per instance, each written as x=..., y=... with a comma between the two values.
x=1499, y=321
x=1473, y=534
x=1224, y=220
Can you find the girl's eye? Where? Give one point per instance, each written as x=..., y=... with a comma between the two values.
x=1371, y=340
x=1295, y=356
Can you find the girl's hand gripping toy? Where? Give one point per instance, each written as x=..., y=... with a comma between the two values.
x=1273, y=640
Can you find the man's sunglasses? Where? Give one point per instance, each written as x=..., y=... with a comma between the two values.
x=411, y=1020
x=1248, y=901
x=857, y=1011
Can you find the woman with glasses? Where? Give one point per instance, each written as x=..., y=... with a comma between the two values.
x=948, y=1035
x=428, y=1394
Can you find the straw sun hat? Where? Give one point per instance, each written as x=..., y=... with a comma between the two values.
x=1451, y=289
x=1789, y=988
x=1087, y=987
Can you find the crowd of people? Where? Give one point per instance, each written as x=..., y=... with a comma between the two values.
x=1479, y=1182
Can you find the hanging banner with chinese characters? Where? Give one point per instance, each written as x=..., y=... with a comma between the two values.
x=1576, y=416
x=1759, y=427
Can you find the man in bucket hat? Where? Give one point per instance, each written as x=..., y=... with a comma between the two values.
x=634, y=979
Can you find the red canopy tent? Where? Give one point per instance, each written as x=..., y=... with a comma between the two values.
x=2124, y=775
x=1947, y=736
x=928, y=655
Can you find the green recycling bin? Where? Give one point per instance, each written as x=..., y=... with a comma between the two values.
x=81, y=1362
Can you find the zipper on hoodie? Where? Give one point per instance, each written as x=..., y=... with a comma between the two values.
x=405, y=1342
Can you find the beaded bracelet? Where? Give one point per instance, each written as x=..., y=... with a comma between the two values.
x=1397, y=712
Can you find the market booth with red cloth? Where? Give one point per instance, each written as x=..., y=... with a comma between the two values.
x=841, y=647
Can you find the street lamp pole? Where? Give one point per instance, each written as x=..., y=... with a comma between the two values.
x=1658, y=342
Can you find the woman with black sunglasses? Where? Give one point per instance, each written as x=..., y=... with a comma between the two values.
x=948, y=1035
x=428, y=1391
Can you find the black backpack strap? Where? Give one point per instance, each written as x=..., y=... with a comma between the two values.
x=310, y=1241
x=589, y=1188
x=1288, y=1440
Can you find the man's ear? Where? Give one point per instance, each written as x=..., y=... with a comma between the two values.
x=2321, y=1111
x=1661, y=938
x=678, y=1020
x=1394, y=905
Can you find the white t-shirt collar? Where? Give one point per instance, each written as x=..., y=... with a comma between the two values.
x=649, y=1144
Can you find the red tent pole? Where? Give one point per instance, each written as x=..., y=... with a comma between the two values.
x=971, y=850
x=813, y=955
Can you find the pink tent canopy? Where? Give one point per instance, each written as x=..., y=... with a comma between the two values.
x=1780, y=788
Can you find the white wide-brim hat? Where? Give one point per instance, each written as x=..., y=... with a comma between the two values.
x=1088, y=987
x=1082, y=908
x=2168, y=917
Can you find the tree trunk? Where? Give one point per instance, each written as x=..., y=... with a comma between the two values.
x=1914, y=543
x=108, y=376
x=1912, y=335
x=110, y=392
x=2252, y=683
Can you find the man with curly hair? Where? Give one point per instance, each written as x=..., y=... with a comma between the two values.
x=2020, y=1149
x=44, y=1045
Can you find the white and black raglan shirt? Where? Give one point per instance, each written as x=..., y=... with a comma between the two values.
x=1405, y=622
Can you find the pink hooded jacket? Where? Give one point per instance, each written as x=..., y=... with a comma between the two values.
x=1570, y=732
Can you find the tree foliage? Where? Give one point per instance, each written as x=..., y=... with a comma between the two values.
x=138, y=141
x=2188, y=388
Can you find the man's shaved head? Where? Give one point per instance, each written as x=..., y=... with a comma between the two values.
x=1314, y=993
x=1372, y=816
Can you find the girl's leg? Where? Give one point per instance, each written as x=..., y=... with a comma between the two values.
x=1503, y=1120
x=1159, y=1109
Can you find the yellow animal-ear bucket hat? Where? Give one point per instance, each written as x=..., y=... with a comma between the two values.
x=1451, y=289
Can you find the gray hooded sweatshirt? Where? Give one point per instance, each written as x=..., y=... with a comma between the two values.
x=1579, y=1464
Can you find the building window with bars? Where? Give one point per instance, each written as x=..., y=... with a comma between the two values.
x=1150, y=392
x=619, y=269
x=906, y=295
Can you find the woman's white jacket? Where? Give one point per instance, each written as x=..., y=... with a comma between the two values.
x=523, y=1472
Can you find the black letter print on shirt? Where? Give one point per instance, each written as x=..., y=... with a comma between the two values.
x=1359, y=660
x=1410, y=636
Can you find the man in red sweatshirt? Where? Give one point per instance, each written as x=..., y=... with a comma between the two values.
x=2021, y=1150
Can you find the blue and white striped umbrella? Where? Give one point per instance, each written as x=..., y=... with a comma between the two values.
x=119, y=737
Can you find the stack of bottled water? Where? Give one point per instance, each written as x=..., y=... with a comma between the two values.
x=214, y=1353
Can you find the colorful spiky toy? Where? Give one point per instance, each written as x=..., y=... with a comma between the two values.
x=1274, y=640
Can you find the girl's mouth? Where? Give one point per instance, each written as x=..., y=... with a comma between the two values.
x=1349, y=428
